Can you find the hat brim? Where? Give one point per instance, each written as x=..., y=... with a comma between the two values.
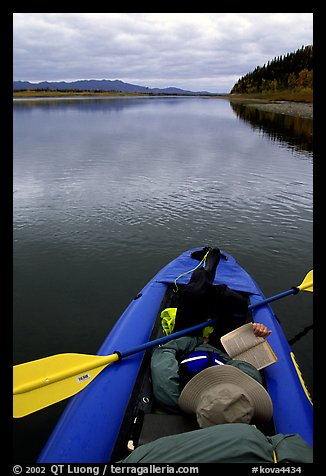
x=212, y=376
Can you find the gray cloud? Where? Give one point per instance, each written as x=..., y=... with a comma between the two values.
x=190, y=50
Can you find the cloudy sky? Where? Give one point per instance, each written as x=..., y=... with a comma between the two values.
x=196, y=51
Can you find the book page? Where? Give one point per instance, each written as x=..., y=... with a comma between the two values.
x=243, y=344
x=240, y=339
x=260, y=356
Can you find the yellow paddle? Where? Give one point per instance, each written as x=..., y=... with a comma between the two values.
x=43, y=382
x=40, y=383
x=307, y=283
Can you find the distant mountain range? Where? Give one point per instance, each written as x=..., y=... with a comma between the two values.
x=101, y=85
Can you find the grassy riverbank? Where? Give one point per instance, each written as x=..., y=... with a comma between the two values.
x=304, y=95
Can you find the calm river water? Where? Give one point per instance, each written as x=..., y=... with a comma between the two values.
x=107, y=191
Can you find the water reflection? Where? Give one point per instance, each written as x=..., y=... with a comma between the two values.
x=296, y=132
x=91, y=103
x=108, y=191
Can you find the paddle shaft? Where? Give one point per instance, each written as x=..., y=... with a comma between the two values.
x=175, y=335
x=104, y=360
x=293, y=290
x=162, y=340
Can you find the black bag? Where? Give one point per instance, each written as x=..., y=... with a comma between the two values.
x=200, y=300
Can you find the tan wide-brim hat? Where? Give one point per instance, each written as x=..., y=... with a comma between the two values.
x=225, y=394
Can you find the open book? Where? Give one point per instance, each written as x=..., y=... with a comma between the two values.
x=242, y=344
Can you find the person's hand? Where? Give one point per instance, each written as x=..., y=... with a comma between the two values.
x=260, y=330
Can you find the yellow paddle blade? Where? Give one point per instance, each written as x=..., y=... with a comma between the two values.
x=40, y=383
x=307, y=283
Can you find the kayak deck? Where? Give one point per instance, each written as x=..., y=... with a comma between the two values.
x=118, y=407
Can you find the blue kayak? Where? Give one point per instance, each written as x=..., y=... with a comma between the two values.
x=106, y=419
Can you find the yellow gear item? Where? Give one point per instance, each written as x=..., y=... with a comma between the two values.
x=168, y=321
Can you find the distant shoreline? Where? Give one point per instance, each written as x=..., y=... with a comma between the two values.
x=298, y=105
x=35, y=93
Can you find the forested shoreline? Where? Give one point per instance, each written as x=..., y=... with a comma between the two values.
x=292, y=72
